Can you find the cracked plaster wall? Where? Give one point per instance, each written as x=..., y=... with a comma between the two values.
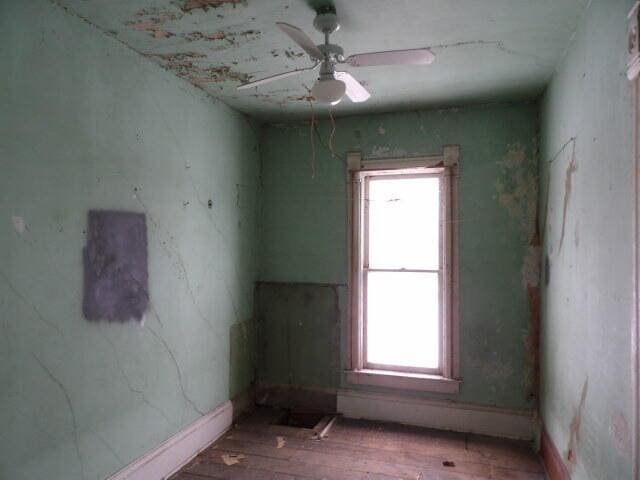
x=89, y=124
x=304, y=241
x=587, y=192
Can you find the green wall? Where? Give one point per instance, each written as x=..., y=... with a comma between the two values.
x=587, y=304
x=304, y=240
x=87, y=123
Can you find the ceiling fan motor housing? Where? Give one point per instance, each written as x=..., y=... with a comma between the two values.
x=326, y=20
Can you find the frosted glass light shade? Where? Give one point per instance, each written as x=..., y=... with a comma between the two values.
x=328, y=90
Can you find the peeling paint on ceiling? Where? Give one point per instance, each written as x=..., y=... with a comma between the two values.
x=493, y=50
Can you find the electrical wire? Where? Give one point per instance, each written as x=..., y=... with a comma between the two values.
x=313, y=146
x=333, y=131
x=325, y=145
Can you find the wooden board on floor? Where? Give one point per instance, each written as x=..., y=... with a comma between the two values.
x=256, y=448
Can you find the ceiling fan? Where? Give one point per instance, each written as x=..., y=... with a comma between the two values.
x=332, y=85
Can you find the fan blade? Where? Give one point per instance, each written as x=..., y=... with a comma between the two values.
x=418, y=56
x=275, y=77
x=301, y=39
x=355, y=91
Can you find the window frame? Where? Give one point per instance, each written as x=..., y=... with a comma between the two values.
x=359, y=371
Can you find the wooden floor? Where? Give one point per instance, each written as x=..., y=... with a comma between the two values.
x=258, y=448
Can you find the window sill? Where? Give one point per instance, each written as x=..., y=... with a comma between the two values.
x=403, y=381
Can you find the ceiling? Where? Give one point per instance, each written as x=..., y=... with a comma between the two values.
x=486, y=50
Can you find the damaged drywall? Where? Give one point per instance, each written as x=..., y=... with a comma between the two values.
x=517, y=193
x=517, y=188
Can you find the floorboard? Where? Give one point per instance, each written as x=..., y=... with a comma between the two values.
x=258, y=447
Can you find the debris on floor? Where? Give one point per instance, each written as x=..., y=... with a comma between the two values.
x=232, y=459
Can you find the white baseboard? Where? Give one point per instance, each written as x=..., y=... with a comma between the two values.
x=180, y=449
x=441, y=415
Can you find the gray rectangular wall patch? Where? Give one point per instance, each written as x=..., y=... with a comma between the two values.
x=115, y=266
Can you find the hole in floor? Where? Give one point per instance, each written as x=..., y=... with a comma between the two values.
x=300, y=419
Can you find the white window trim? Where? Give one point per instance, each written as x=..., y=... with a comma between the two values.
x=448, y=380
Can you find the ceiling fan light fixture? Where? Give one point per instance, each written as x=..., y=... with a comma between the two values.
x=328, y=90
x=333, y=85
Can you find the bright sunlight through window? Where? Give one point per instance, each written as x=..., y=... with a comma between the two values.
x=402, y=272
x=403, y=283
x=402, y=275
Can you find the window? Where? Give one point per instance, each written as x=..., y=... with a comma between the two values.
x=404, y=329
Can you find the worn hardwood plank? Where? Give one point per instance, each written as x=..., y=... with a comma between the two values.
x=391, y=436
x=255, y=460
x=215, y=471
x=359, y=450
x=430, y=443
x=316, y=450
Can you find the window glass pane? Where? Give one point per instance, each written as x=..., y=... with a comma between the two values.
x=402, y=319
x=404, y=223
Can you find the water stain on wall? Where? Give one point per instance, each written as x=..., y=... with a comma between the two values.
x=574, y=429
x=621, y=435
x=571, y=169
x=532, y=342
x=517, y=188
x=517, y=193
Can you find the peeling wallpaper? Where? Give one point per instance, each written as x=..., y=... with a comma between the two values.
x=87, y=124
x=304, y=238
x=587, y=177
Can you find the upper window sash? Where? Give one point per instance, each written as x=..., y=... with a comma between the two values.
x=395, y=262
